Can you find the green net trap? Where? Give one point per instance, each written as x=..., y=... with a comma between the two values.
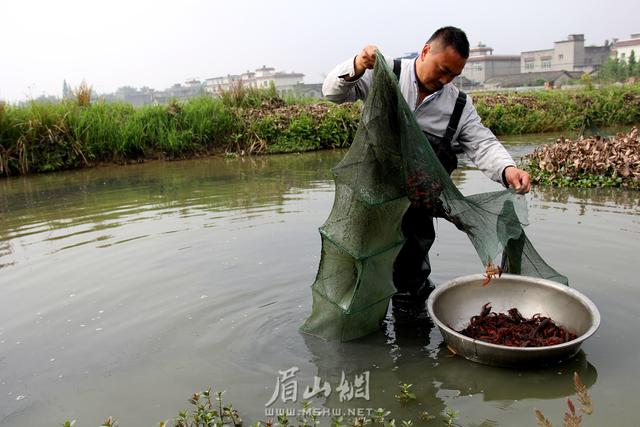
x=389, y=166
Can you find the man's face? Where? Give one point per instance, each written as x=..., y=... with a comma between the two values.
x=437, y=66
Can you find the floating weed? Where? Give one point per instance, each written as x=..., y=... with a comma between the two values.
x=588, y=162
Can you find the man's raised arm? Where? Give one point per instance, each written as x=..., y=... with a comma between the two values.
x=351, y=80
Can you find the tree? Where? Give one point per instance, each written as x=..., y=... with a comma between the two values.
x=66, y=90
x=632, y=65
x=613, y=70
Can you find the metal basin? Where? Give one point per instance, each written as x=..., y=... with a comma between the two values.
x=452, y=304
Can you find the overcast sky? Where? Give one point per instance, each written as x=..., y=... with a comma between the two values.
x=158, y=43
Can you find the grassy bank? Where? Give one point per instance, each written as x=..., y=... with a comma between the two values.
x=48, y=137
x=73, y=134
x=558, y=110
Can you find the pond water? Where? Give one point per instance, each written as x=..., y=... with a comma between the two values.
x=124, y=289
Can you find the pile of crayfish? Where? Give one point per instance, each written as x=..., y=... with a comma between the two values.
x=514, y=330
x=423, y=190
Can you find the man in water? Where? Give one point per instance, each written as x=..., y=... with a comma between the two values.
x=450, y=122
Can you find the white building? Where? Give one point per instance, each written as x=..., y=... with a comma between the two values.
x=483, y=64
x=622, y=48
x=262, y=78
x=567, y=55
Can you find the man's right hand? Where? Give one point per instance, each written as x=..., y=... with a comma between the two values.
x=364, y=61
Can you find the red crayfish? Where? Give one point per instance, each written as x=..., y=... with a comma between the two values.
x=490, y=271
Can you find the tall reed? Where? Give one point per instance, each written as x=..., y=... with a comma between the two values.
x=83, y=94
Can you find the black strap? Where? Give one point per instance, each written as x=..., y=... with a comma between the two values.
x=461, y=101
x=397, y=66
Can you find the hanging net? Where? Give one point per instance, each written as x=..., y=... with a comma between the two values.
x=390, y=166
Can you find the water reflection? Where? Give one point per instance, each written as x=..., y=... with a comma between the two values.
x=414, y=353
x=5, y=251
x=589, y=198
x=174, y=276
x=83, y=208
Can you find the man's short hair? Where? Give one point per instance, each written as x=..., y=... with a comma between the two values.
x=454, y=37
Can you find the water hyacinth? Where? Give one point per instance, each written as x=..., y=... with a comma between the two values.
x=589, y=162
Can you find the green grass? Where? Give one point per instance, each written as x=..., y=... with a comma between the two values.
x=48, y=137
x=558, y=110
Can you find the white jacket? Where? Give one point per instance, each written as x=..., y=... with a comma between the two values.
x=478, y=142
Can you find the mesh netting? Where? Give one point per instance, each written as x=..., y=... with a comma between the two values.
x=389, y=167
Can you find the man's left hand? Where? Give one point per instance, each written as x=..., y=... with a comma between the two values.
x=518, y=179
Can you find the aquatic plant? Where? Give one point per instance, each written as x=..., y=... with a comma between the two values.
x=109, y=422
x=205, y=412
x=209, y=410
x=588, y=162
x=451, y=415
x=572, y=417
x=405, y=396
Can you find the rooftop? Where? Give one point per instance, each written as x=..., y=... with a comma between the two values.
x=493, y=58
x=528, y=79
x=625, y=43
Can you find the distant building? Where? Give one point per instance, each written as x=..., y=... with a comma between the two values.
x=622, y=49
x=568, y=55
x=536, y=78
x=261, y=78
x=216, y=85
x=146, y=95
x=181, y=92
x=409, y=55
x=132, y=95
x=483, y=65
x=308, y=90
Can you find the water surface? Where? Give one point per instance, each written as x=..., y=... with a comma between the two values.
x=124, y=289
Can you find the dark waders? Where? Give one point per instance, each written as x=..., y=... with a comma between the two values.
x=412, y=268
